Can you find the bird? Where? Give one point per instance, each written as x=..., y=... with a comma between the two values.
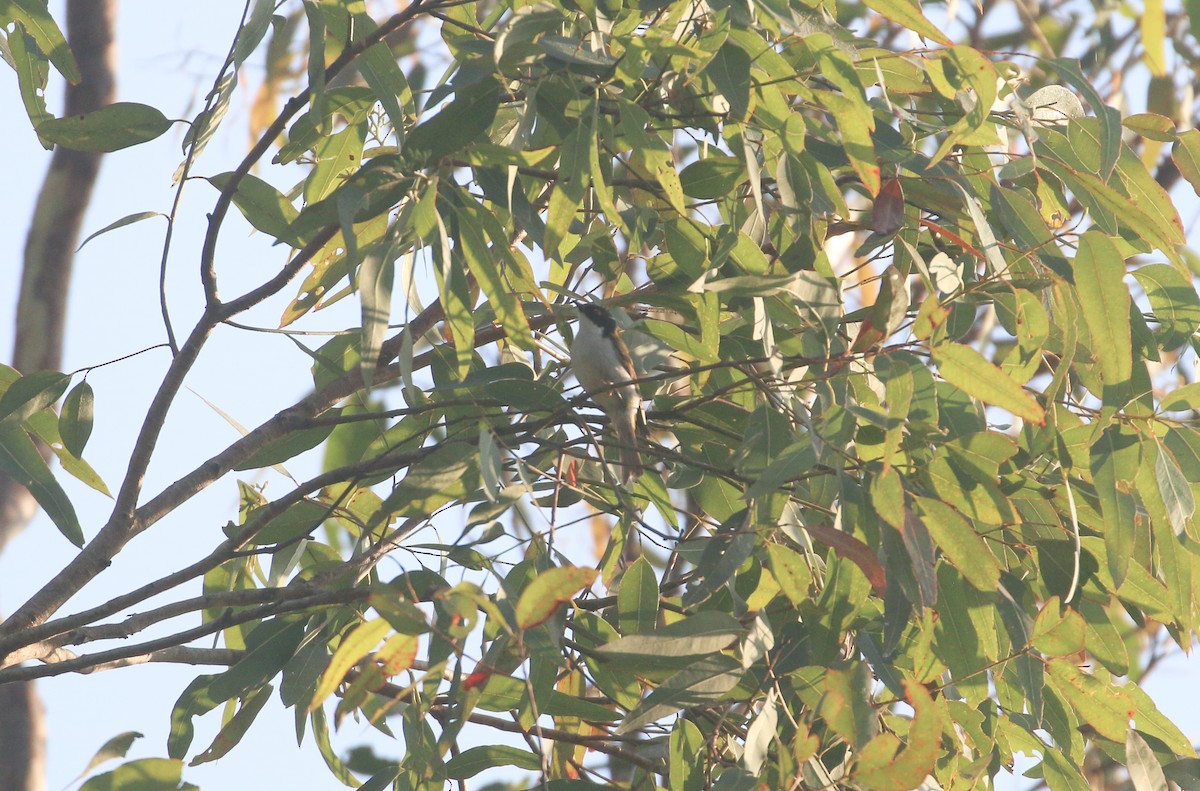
x=601, y=362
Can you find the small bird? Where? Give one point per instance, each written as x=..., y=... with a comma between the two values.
x=602, y=364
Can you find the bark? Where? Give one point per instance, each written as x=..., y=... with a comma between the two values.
x=54, y=229
x=22, y=738
x=41, y=318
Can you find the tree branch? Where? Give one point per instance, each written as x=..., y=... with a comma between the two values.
x=125, y=522
x=216, y=218
x=89, y=662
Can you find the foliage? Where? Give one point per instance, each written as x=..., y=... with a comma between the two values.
x=920, y=475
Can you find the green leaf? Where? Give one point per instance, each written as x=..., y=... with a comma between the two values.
x=855, y=123
x=574, y=168
x=253, y=31
x=564, y=705
x=713, y=177
x=268, y=649
x=686, y=742
x=456, y=125
x=846, y=704
x=235, y=728
x=879, y=768
x=575, y=53
x=263, y=206
x=1100, y=704
x=637, y=599
x=21, y=460
x=793, y=133
x=128, y=219
x=1031, y=325
x=1176, y=493
x=1020, y=218
x=1029, y=670
x=376, y=276
x=315, y=18
x=1103, y=637
x=1184, y=444
x=962, y=635
x=688, y=246
x=515, y=36
x=1058, y=630
x=1151, y=126
x=722, y=557
x=206, y=122
x=116, y=747
x=1152, y=24
x=1137, y=221
x=404, y=616
x=730, y=72
x=146, y=774
x=1099, y=271
x=1114, y=459
x=288, y=446
x=835, y=65
x=31, y=394
x=453, y=289
x=963, y=69
x=548, y=591
x=1171, y=560
x=474, y=760
x=1174, y=301
x=448, y=473
x=193, y=702
x=918, y=546
x=908, y=14
x=703, y=633
x=970, y=372
x=1186, y=154
x=381, y=72
x=110, y=128
x=1109, y=117
x=1151, y=722
x=34, y=17
x=337, y=155
x=353, y=647
x=75, y=419
x=962, y=546
x=1061, y=773
x=791, y=572
x=320, y=731
x=1182, y=398
x=302, y=671
x=1185, y=772
x=44, y=426
x=33, y=71
x=494, y=282
x=668, y=178
x=1145, y=772
x=702, y=683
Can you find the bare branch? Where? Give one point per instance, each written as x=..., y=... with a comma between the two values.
x=88, y=662
x=182, y=655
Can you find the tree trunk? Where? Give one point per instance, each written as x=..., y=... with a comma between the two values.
x=41, y=317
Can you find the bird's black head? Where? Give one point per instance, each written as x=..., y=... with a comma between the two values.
x=598, y=315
